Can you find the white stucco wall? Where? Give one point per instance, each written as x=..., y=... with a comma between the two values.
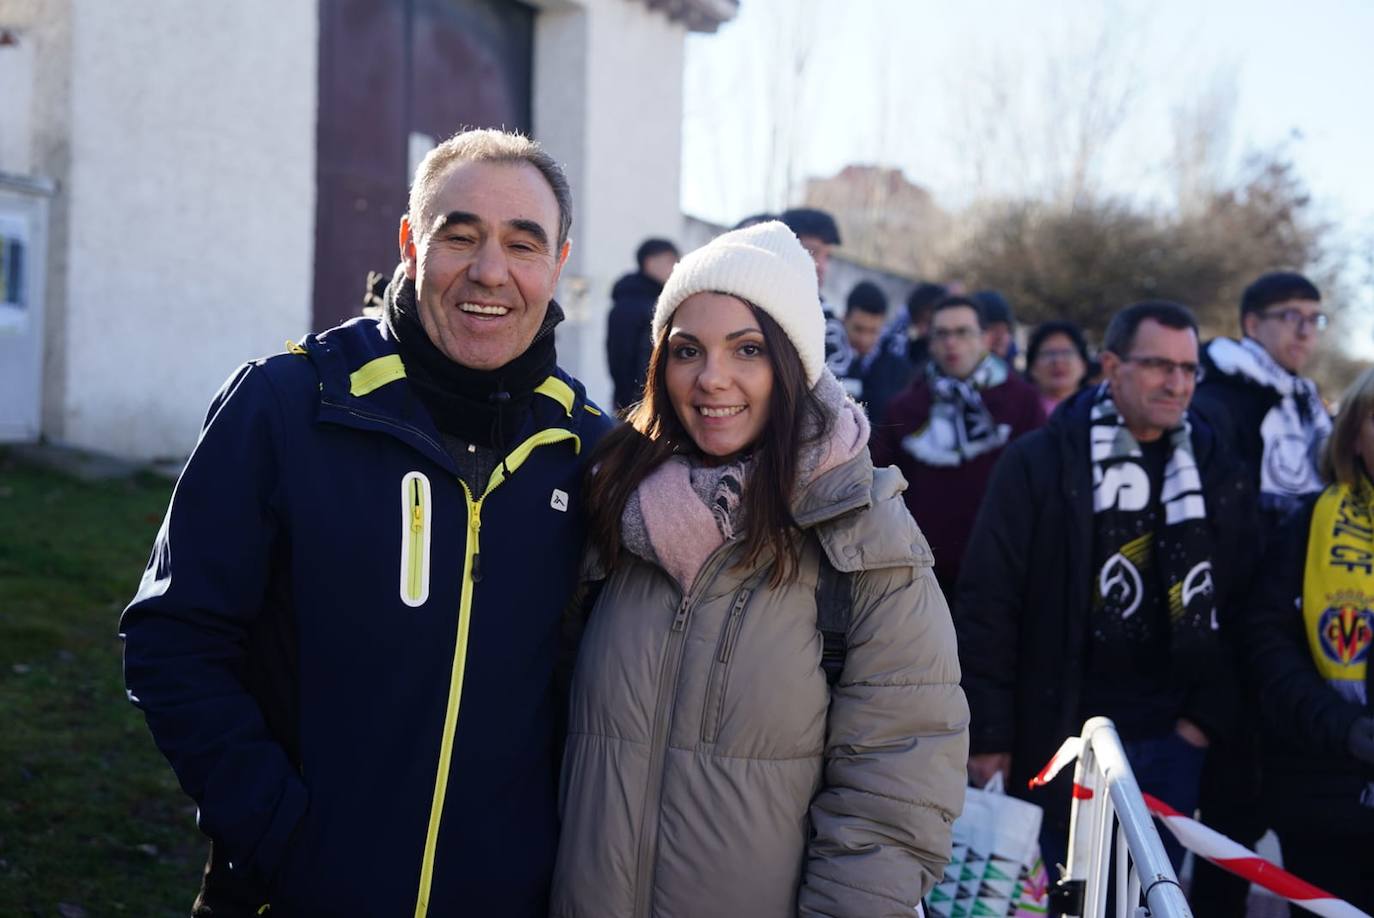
x=16, y=102
x=608, y=78
x=36, y=119
x=190, y=199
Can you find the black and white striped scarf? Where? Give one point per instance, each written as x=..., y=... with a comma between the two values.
x=1293, y=431
x=1179, y=550
x=960, y=427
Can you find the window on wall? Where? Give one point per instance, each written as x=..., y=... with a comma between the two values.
x=14, y=243
x=12, y=271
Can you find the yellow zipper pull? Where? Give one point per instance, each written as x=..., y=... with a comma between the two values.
x=475, y=525
x=417, y=511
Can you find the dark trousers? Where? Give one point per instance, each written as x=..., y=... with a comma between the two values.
x=1167, y=767
x=1230, y=803
x=1341, y=865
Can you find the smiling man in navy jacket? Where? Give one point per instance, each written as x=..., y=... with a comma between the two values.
x=344, y=641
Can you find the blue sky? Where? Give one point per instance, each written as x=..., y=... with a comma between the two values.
x=892, y=82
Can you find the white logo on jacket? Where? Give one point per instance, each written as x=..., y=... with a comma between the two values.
x=1120, y=574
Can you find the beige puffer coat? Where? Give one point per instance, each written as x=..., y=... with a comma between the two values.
x=711, y=772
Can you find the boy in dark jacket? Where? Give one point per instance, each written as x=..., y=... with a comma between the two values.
x=1276, y=423
x=628, y=344
x=1254, y=390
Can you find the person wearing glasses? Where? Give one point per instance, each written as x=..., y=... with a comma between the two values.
x=946, y=430
x=1276, y=423
x=1057, y=362
x=1254, y=389
x=1111, y=546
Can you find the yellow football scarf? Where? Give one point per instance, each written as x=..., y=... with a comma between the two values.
x=1338, y=587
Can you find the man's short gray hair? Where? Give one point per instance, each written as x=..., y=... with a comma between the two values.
x=489, y=146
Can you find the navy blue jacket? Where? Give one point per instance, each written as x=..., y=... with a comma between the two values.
x=346, y=655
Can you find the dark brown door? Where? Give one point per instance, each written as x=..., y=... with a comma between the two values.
x=390, y=68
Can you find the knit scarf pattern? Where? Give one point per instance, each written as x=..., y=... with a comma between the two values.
x=725, y=494
x=480, y=407
x=839, y=353
x=1179, y=552
x=1293, y=431
x=960, y=427
x=1338, y=592
x=685, y=509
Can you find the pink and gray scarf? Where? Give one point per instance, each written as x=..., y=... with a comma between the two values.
x=684, y=509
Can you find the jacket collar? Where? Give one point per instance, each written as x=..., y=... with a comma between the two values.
x=884, y=536
x=362, y=385
x=843, y=489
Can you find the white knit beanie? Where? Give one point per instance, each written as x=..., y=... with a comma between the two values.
x=766, y=265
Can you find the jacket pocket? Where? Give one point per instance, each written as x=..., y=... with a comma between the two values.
x=720, y=667
x=416, y=525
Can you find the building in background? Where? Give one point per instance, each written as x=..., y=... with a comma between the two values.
x=184, y=185
x=843, y=273
x=888, y=222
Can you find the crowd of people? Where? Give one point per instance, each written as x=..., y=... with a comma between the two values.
x=1112, y=561
x=426, y=630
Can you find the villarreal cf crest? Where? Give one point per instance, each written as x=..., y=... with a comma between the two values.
x=1346, y=631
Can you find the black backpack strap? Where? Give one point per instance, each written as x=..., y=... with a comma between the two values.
x=573, y=623
x=834, y=601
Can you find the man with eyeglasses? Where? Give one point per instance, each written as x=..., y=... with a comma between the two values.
x=1109, y=550
x=1276, y=423
x=1254, y=389
x=946, y=430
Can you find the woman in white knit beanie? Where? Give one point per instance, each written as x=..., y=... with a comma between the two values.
x=718, y=762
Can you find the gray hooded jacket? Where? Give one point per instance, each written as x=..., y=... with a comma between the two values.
x=710, y=770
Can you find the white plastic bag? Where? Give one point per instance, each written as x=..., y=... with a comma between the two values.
x=996, y=844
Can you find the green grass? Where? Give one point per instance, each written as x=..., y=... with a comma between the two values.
x=91, y=817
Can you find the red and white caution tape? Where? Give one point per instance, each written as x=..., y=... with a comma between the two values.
x=1243, y=862
x=1069, y=750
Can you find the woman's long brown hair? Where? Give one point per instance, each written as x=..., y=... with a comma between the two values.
x=653, y=433
x=1338, y=462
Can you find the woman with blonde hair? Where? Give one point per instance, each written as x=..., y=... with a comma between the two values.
x=710, y=769
x=1311, y=628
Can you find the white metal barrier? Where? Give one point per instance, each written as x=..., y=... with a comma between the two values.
x=1106, y=798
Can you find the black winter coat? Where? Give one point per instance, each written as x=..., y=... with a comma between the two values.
x=1025, y=591
x=628, y=337
x=1311, y=782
